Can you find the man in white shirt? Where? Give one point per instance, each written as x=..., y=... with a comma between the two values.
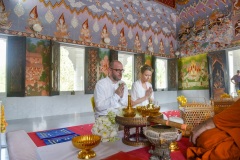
x=111, y=93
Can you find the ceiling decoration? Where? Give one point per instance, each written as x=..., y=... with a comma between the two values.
x=169, y=3
x=182, y=2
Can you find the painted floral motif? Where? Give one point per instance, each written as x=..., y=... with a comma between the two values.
x=74, y=22
x=130, y=34
x=104, y=62
x=19, y=10
x=49, y=16
x=96, y=26
x=114, y=29
x=104, y=65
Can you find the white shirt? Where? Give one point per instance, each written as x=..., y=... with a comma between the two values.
x=138, y=91
x=106, y=99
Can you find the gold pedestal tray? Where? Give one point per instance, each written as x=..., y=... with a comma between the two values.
x=137, y=138
x=86, y=143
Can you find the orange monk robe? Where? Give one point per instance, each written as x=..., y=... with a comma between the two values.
x=222, y=142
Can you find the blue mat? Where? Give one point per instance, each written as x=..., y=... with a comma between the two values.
x=59, y=139
x=54, y=133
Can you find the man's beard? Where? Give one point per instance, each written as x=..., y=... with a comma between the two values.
x=115, y=78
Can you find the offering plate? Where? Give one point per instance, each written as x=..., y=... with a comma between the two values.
x=86, y=143
x=136, y=137
x=161, y=137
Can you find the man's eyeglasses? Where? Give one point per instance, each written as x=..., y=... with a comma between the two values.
x=118, y=70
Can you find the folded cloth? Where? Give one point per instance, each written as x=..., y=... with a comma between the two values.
x=59, y=139
x=54, y=133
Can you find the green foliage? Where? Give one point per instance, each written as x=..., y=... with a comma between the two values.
x=103, y=52
x=127, y=76
x=31, y=47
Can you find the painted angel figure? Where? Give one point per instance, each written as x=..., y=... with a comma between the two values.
x=137, y=43
x=122, y=39
x=34, y=24
x=150, y=44
x=161, y=47
x=61, y=28
x=104, y=35
x=171, y=49
x=4, y=23
x=85, y=32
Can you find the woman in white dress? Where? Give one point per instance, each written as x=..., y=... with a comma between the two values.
x=142, y=90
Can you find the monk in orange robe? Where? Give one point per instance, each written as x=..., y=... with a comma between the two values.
x=217, y=138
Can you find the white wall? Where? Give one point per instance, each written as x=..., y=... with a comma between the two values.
x=40, y=106
x=195, y=95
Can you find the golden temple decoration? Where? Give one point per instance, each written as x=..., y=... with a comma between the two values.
x=86, y=143
x=129, y=111
x=149, y=110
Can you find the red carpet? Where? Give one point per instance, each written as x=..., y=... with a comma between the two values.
x=175, y=155
x=142, y=152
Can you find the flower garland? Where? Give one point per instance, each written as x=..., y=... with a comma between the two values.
x=106, y=127
x=3, y=120
x=182, y=100
x=225, y=95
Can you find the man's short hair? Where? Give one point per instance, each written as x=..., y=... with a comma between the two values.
x=238, y=71
x=111, y=64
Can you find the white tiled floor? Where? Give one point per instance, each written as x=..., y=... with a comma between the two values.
x=44, y=123
x=52, y=122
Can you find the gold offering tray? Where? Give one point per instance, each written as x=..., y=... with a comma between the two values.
x=132, y=121
x=135, y=137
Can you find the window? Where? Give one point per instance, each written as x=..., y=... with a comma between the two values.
x=127, y=61
x=3, y=44
x=161, y=73
x=71, y=68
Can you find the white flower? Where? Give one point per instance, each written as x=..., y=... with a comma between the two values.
x=101, y=127
x=94, y=130
x=104, y=133
x=105, y=140
x=106, y=127
x=113, y=134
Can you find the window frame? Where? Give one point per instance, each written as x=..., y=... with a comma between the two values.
x=133, y=68
x=154, y=78
x=72, y=92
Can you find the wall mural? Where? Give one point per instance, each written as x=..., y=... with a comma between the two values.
x=218, y=69
x=104, y=55
x=205, y=25
x=135, y=26
x=193, y=72
x=37, y=67
x=236, y=21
